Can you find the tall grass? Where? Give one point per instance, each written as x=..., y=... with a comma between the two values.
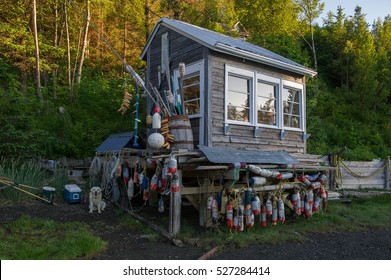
x=29, y=173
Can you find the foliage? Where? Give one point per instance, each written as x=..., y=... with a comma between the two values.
x=347, y=103
x=30, y=173
x=31, y=238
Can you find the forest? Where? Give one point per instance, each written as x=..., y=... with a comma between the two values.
x=61, y=83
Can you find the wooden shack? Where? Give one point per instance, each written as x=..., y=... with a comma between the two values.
x=236, y=114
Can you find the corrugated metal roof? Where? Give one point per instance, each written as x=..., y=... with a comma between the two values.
x=225, y=44
x=116, y=142
x=228, y=155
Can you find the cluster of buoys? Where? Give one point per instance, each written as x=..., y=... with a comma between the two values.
x=244, y=208
x=247, y=208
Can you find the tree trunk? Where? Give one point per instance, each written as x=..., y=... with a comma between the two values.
x=313, y=47
x=70, y=91
x=35, y=35
x=55, y=44
x=84, y=46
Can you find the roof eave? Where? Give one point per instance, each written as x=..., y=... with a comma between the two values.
x=264, y=60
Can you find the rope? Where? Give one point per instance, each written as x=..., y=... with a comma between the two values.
x=359, y=175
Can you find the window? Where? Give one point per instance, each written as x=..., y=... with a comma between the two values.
x=191, y=94
x=266, y=103
x=192, y=89
x=263, y=101
x=238, y=98
x=291, y=107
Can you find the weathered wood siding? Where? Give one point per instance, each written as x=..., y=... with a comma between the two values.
x=373, y=174
x=242, y=136
x=181, y=49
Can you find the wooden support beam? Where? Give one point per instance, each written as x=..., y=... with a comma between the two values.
x=200, y=190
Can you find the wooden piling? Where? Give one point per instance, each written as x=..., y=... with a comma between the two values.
x=175, y=208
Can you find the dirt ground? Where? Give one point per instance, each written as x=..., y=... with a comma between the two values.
x=128, y=244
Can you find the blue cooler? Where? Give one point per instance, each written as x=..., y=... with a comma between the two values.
x=72, y=194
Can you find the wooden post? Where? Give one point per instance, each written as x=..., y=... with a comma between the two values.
x=331, y=178
x=386, y=175
x=175, y=208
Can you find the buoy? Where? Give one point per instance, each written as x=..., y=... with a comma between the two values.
x=249, y=217
x=236, y=220
x=156, y=140
x=215, y=211
x=312, y=177
x=156, y=119
x=130, y=191
x=322, y=179
x=161, y=205
x=316, y=203
x=304, y=180
x=269, y=207
x=263, y=216
x=281, y=210
x=257, y=181
x=255, y=204
x=154, y=182
x=229, y=215
x=285, y=176
x=172, y=164
x=263, y=172
x=295, y=197
x=274, y=213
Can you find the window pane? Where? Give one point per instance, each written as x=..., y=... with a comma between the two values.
x=238, y=98
x=238, y=84
x=238, y=113
x=266, y=103
x=191, y=94
x=192, y=107
x=266, y=90
x=291, y=107
x=292, y=121
x=266, y=117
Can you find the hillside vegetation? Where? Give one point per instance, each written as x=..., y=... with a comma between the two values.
x=61, y=84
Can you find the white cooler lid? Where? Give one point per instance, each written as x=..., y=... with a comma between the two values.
x=72, y=188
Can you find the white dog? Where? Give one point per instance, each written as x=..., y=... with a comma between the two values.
x=96, y=201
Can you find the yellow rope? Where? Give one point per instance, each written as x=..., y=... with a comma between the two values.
x=359, y=175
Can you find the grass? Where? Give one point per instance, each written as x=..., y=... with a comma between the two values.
x=30, y=238
x=360, y=214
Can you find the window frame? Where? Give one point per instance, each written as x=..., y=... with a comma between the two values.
x=245, y=74
x=191, y=71
x=280, y=83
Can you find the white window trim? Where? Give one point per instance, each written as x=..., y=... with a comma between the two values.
x=245, y=74
x=192, y=68
x=269, y=80
x=197, y=67
x=253, y=99
x=299, y=87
